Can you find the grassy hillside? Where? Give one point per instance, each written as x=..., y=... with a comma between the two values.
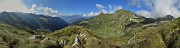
x=69, y=33
x=122, y=29
x=11, y=36
x=113, y=25
x=171, y=34
x=126, y=29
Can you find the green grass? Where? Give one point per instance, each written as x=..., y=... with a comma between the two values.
x=112, y=28
x=110, y=25
x=103, y=31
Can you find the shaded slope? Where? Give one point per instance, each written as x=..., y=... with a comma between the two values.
x=171, y=34
x=32, y=21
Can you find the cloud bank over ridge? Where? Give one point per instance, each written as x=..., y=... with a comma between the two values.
x=158, y=8
x=111, y=10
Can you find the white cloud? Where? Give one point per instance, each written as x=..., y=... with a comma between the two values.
x=44, y=10
x=50, y=12
x=143, y=13
x=165, y=7
x=92, y=14
x=117, y=8
x=104, y=11
x=13, y=6
x=99, y=6
x=19, y=6
x=160, y=8
x=112, y=9
x=34, y=8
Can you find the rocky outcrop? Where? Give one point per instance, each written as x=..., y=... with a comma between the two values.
x=63, y=42
x=76, y=41
x=36, y=37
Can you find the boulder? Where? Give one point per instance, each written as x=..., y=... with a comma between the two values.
x=76, y=41
x=35, y=37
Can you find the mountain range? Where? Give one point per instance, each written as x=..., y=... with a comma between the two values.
x=74, y=18
x=32, y=21
x=122, y=29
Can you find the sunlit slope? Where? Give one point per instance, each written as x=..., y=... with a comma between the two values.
x=112, y=25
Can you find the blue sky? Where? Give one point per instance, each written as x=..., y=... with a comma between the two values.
x=147, y=8
x=79, y=6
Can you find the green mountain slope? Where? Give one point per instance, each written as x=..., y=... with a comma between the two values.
x=112, y=25
x=122, y=29
x=128, y=30
x=171, y=34
x=12, y=37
